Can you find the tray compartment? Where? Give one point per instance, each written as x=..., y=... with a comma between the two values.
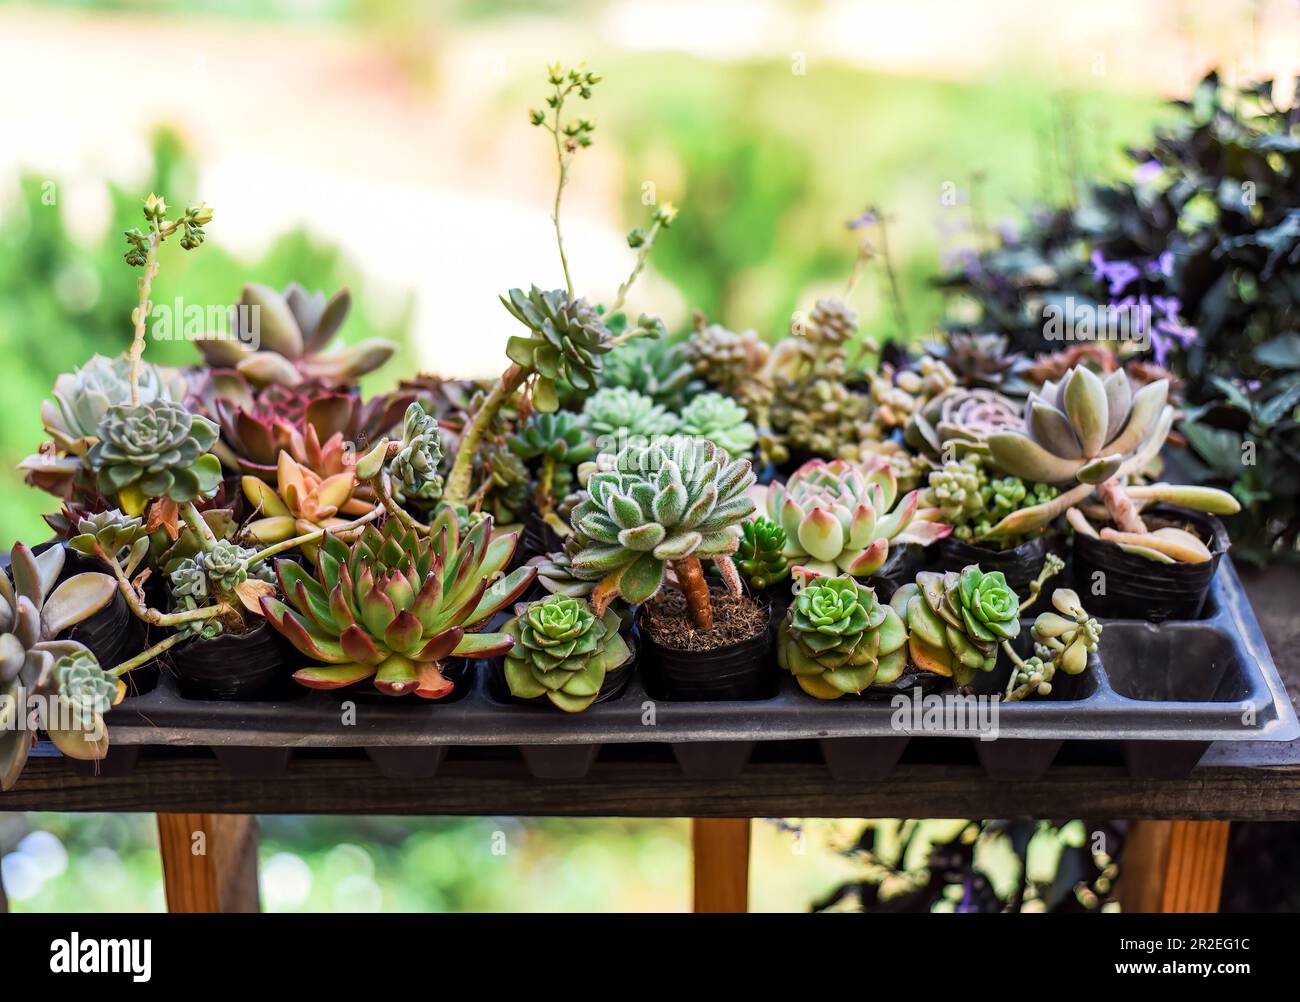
x=1163, y=759
x=253, y=761
x=411, y=762
x=1178, y=662
x=560, y=761
x=863, y=759
x=712, y=759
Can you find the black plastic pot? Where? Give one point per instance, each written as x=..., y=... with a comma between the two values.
x=114, y=633
x=1020, y=565
x=745, y=670
x=1134, y=587
x=538, y=538
x=252, y=665
x=904, y=560
x=616, y=680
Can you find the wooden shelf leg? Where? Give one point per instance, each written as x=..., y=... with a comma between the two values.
x=209, y=862
x=721, y=864
x=1173, y=866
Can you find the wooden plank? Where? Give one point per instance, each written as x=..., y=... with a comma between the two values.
x=209, y=862
x=1174, y=866
x=649, y=789
x=720, y=849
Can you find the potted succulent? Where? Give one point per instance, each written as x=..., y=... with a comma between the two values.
x=841, y=517
x=566, y=654
x=654, y=513
x=556, y=443
x=396, y=604
x=1095, y=435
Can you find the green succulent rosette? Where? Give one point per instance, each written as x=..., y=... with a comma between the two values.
x=837, y=639
x=760, y=555
x=721, y=420
x=416, y=469
x=155, y=450
x=956, y=620
x=566, y=340
x=615, y=415
x=563, y=651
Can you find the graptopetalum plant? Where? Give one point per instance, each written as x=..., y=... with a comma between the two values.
x=562, y=651
x=1098, y=434
x=666, y=504
x=396, y=604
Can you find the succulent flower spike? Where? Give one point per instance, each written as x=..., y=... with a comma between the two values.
x=395, y=604
x=563, y=651
x=281, y=338
x=566, y=340
x=614, y=415
x=154, y=450
x=836, y=639
x=672, y=500
x=760, y=556
x=840, y=517
x=955, y=621
x=1082, y=428
x=300, y=502
x=721, y=420
x=33, y=612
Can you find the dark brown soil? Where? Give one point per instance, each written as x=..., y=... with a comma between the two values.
x=735, y=620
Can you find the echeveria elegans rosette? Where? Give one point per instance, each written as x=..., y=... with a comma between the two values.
x=563, y=651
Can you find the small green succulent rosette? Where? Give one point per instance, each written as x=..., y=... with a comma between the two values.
x=563, y=651
x=155, y=450
x=836, y=639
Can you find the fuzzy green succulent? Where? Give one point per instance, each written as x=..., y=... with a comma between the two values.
x=956, y=620
x=34, y=610
x=281, y=337
x=760, y=555
x=566, y=341
x=837, y=639
x=654, y=368
x=155, y=450
x=415, y=470
x=394, y=604
x=613, y=416
x=563, y=651
x=675, y=498
x=721, y=420
x=841, y=517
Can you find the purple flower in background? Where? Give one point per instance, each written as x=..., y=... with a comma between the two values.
x=1118, y=274
x=1145, y=173
x=1162, y=265
x=1165, y=333
x=862, y=221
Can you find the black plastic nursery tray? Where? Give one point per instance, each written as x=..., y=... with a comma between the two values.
x=1156, y=696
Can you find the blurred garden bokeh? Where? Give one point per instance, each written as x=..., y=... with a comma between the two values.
x=385, y=145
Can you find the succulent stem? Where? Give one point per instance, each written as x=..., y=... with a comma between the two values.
x=147, y=655
x=458, y=481
x=690, y=577
x=1120, y=506
x=141, y=314
x=198, y=525
x=626, y=287
x=895, y=296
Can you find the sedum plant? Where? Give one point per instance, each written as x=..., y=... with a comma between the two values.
x=1062, y=642
x=1096, y=432
x=279, y=338
x=415, y=469
x=657, y=369
x=840, y=517
x=33, y=612
x=760, y=554
x=972, y=502
x=837, y=639
x=721, y=420
x=672, y=502
x=556, y=444
x=397, y=603
x=956, y=620
x=562, y=651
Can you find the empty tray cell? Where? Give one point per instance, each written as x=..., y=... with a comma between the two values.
x=1163, y=759
x=1174, y=662
x=253, y=761
x=1016, y=758
x=862, y=759
x=559, y=761
x=419, y=762
x=712, y=759
x=119, y=761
